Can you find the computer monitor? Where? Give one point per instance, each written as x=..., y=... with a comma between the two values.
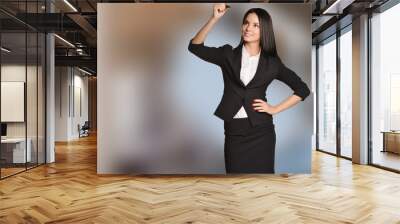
x=3, y=129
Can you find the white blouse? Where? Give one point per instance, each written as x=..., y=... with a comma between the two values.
x=247, y=72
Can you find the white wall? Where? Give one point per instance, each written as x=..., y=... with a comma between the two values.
x=67, y=116
x=80, y=83
x=12, y=73
x=33, y=127
x=62, y=80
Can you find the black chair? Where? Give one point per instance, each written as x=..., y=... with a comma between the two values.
x=84, y=130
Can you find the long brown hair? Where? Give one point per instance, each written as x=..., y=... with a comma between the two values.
x=267, y=37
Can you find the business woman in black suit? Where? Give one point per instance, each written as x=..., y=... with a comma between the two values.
x=247, y=71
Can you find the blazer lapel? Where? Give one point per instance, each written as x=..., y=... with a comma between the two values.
x=237, y=65
x=258, y=76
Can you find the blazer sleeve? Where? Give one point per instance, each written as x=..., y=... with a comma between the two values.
x=213, y=55
x=291, y=79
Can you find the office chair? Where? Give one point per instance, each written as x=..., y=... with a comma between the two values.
x=84, y=130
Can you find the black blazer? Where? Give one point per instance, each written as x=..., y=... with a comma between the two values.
x=236, y=94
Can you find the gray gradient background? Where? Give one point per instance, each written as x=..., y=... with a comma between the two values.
x=156, y=100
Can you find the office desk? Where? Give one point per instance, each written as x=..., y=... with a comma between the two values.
x=391, y=141
x=15, y=148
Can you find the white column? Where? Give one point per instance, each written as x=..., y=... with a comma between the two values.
x=360, y=90
x=50, y=100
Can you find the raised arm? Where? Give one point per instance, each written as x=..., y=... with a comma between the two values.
x=219, y=11
x=196, y=44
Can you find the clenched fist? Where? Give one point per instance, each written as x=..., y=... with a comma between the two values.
x=219, y=10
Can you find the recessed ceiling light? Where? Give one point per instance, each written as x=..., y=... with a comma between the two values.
x=84, y=71
x=337, y=7
x=5, y=50
x=70, y=5
x=64, y=40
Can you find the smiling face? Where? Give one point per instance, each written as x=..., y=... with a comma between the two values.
x=251, y=28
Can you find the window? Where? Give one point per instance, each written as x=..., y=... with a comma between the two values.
x=22, y=78
x=385, y=88
x=346, y=92
x=327, y=96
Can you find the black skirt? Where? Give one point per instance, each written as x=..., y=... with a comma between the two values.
x=249, y=149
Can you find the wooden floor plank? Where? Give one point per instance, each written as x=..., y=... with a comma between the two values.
x=70, y=191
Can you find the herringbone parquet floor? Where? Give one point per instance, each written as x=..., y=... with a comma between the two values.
x=69, y=191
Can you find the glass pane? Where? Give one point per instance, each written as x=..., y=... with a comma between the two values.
x=22, y=88
x=346, y=94
x=13, y=89
x=327, y=96
x=32, y=95
x=313, y=86
x=41, y=98
x=385, y=84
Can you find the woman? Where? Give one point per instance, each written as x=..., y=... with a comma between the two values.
x=247, y=71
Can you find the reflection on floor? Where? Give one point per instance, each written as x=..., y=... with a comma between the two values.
x=386, y=159
x=346, y=152
x=10, y=169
